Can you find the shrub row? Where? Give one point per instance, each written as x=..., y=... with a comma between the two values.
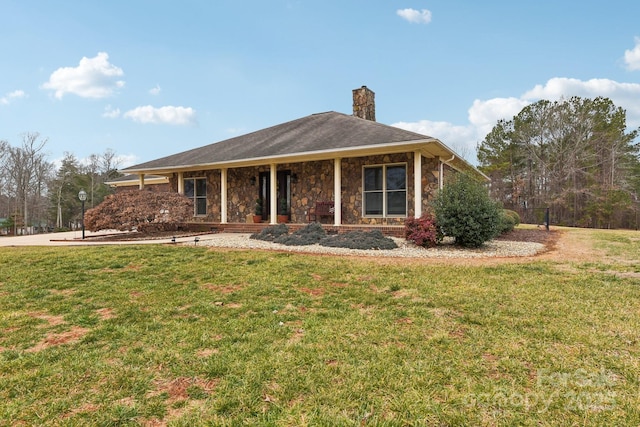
x=314, y=234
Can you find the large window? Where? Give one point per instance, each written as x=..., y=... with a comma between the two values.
x=196, y=190
x=385, y=190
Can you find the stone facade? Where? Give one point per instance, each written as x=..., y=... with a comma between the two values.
x=312, y=182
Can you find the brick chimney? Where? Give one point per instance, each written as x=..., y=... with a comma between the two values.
x=364, y=104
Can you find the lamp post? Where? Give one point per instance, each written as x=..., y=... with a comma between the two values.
x=82, y=195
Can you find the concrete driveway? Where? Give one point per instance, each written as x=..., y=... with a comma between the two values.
x=74, y=238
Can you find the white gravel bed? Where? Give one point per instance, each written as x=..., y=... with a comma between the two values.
x=494, y=248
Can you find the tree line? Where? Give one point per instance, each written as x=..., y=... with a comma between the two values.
x=35, y=196
x=573, y=156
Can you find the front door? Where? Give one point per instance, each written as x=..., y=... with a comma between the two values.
x=283, y=195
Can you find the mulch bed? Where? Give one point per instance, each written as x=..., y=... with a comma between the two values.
x=535, y=235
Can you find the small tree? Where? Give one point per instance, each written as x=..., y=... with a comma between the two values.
x=140, y=210
x=465, y=212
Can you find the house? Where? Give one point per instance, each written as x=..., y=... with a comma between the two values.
x=378, y=174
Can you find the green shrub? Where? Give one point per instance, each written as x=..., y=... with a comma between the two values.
x=308, y=235
x=422, y=231
x=507, y=223
x=465, y=212
x=359, y=240
x=271, y=233
x=514, y=215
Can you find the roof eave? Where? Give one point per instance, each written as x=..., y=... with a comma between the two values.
x=395, y=147
x=429, y=147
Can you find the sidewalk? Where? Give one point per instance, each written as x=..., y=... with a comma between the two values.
x=74, y=238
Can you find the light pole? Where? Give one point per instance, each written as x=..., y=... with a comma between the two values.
x=82, y=195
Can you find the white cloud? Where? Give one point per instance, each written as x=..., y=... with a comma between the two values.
x=484, y=114
x=9, y=97
x=156, y=90
x=164, y=115
x=632, y=57
x=415, y=16
x=110, y=112
x=92, y=78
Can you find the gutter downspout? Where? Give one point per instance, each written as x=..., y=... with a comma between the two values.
x=442, y=163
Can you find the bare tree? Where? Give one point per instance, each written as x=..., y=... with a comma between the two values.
x=75, y=175
x=27, y=172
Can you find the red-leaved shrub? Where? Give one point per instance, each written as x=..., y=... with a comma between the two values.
x=422, y=231
x=141, y=210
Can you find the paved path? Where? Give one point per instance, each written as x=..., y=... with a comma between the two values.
x=74, y=238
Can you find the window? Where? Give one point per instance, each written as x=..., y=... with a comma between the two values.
x=385, y=190
x=196, y=190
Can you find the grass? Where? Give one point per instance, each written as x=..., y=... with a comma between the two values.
x=166, y=335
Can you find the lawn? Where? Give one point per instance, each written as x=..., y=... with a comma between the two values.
x=176, y=335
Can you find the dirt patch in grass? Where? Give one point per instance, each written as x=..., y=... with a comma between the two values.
x=63, y=292
x=105, y=313
x=183, y=388
x=50, y=319
x=85, y=408
x=207, y=352
x=68, y=337
x=313, y=292
x=223, y=289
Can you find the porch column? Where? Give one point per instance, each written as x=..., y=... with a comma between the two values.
x=273, y=211
x=141, y=181
x=337, y=191
x=180, y=183
x=417, y=184
x=223, y=196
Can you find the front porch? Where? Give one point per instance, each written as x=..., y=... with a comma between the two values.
x=245, y=227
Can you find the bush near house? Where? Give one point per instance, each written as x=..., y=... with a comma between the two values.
x=269, y=234
x=364, y=240
x=464, y=211
x=422, y=231
x=143, y=211
x=314, y=234
x=308, y=235
x=514, y=215
x=507, y=222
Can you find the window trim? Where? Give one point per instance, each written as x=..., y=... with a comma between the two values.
x=385, y=191
x=195, y=197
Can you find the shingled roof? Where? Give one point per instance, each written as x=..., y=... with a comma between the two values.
x=315, y=137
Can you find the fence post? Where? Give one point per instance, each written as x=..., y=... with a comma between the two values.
x=546, y=218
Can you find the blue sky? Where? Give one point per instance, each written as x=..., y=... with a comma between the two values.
x=152, y=78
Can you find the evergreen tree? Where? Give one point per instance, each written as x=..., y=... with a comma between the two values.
x=573, y=156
